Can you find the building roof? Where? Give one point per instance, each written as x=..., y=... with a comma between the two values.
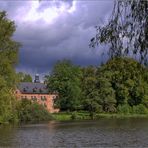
x=33, y=88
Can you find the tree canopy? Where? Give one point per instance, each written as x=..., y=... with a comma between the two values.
x=120, y=84
x=8, y=59
x=65, y=79
x=128, y=79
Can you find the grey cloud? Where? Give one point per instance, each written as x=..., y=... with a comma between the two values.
x=14, y=8
x=44, y=35
x=94, y=12
x=46, y=4
x=68, y=37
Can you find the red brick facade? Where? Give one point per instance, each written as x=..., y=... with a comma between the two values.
x=46, y=100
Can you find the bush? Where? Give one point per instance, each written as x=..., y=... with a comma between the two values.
x=124, y=109
x=32, y=112
x=74, y=116
x=139, y=109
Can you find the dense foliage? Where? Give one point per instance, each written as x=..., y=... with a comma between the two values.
x=32, y=112
x=126, y=33
x=123, y=81
x=65, y=79
x=23, y=77
x=128, y=79
x=8, y=59
x=120, y=85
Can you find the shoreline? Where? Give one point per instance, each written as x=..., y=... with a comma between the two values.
x=81, y=116
x=63, y=116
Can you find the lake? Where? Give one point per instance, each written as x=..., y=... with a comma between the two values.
x=101, y=133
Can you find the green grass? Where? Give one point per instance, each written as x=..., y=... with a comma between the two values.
x=62, y=116
x=107, y=115
x=65, y=116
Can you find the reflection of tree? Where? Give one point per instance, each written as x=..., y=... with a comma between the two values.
x=6, y=136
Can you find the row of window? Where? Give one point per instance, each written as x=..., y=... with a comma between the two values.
x=34, y=98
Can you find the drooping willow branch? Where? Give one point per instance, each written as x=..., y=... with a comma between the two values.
x=127, y=30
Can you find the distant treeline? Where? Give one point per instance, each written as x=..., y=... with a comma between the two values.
x=118, y=86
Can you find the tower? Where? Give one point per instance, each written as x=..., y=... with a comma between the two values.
x=37, y=78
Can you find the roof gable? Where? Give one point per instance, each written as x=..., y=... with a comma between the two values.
x=33, y=88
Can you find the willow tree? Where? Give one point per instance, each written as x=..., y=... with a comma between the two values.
x=126, y=33
x=8, y=59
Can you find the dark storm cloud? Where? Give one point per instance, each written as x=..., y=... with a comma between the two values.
x=67, y=36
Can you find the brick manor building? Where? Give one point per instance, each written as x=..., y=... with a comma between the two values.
x=36, y=91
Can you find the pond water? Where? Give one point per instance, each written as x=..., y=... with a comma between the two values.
x=101, y=133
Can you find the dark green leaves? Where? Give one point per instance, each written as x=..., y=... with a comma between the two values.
x=65, y=79
x=8, y=79
x=116, y=86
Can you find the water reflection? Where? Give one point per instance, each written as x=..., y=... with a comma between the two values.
x=101, y=133
x=6, y=135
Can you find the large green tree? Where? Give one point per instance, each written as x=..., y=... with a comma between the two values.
x=65, y=79
x=128, y=79
x=126, y=33
x=8, y=58
x=120, y=85
x=90, y=99
x=98, y=93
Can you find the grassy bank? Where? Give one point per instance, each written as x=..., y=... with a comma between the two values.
x=64, y=116
x=67, y=116
x=104, y=115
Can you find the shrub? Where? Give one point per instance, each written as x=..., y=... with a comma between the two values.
x=74, y=116
x=139, y=109
x=124, y=109
x=33, y=112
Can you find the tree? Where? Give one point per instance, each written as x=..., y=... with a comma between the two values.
x=106, y=95
x=120, y=85
x=65, y=79
x=7, y=44
x=88, y=79
x=97, y=92
x=8, y=58
x=32, y=111
x=127, y=31
x=7, y=103
x=8, y=50
x=90, y=100
x=128, y=80
x=23, y=77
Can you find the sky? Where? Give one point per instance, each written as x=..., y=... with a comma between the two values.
x=56, y=29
